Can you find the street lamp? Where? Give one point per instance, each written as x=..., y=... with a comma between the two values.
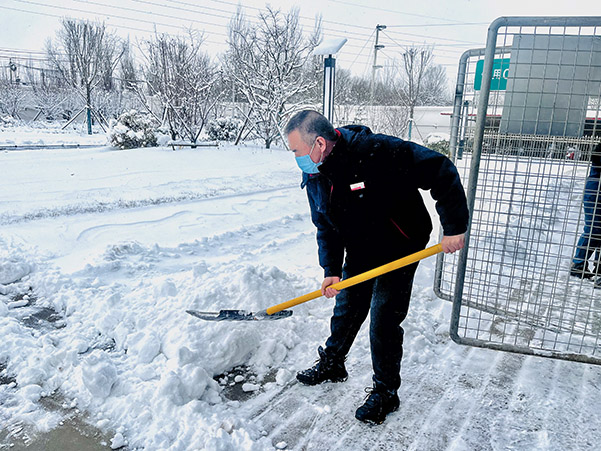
x=329, y=47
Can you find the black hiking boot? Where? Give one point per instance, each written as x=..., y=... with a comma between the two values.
x=377, y=405
x=581, y=271
x=326, y=369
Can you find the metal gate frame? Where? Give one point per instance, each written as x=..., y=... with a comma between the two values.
x=456, y=145
x=462, y=261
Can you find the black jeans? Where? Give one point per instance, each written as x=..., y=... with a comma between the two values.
x=388, y=297
x=590, y=240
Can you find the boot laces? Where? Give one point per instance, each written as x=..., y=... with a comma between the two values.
x=373, y=397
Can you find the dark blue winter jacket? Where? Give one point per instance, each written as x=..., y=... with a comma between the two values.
x=592, y=198
x=365, y=199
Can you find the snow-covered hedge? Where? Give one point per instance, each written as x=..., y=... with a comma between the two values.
x=8, y=120
x=224, y=128
x=132, y=129
x=439, y=142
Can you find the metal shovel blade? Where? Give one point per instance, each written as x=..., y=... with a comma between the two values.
x=239, y=315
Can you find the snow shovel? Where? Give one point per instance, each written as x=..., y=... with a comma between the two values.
x=278, y=311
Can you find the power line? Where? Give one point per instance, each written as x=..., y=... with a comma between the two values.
x=425, y=36
x=60, y=17
x=179, y=27
x=360, y=51
x=221, y=2
x=6, y=49
x=345, y=56
x=128, y=18
x=38, y=13
x=220, y=43
x=252, y=21
x=374, y=8
x=423, y=25
x=153, y=13
x=398, y=44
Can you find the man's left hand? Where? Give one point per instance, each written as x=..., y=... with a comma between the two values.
x=452, y=243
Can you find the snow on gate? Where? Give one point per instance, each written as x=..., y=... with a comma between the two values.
x=527, y=117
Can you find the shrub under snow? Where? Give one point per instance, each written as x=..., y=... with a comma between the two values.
x=133, y=129
x=224, y=128
x=438, y=142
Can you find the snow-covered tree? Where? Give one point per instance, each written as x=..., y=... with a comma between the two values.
x=50, y=95
x=127, y=68
x=271, y=65
x=420, y=81
x=84, y=54
x=184, y=80
x=12, y=96
x=435, y=87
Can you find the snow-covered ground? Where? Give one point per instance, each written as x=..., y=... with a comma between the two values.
x=101, y=253
x=42, y=133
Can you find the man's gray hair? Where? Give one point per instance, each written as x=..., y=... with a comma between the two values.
x=311, y=124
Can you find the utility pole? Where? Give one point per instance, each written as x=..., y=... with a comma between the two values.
x=375, y=66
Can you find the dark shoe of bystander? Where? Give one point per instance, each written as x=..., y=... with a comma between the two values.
x=597, y=283
x=377, y=406
x=326, y=369
x=581, y=271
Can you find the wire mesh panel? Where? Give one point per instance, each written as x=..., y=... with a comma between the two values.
x=461, y=143
x=537, y=92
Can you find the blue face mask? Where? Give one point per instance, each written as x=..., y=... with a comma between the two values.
x=306, y=164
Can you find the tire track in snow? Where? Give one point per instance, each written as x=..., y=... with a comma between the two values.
x=97, y=206
x=107, y=227
x=564, y=380
x=524, y=415
x=247, y=244
x=480, y=380
x=531, y=416
x=476, y=430
x=218, y=241
x=587, y=406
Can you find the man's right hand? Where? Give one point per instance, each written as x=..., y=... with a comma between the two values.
x=329, y=292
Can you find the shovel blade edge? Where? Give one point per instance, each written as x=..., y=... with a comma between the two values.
x=238, y=315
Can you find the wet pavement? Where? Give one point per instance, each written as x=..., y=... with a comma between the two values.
x=73, y=433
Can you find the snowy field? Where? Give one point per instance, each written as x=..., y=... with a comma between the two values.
x=101, y=253
x=44, y=133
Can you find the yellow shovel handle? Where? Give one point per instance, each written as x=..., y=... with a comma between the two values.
x=367, y=275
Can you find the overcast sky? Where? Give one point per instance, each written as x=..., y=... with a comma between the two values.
x=451, y=26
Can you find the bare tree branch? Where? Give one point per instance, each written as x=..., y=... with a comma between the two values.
x=184, y=80
x=267, y=64
x=84, y=55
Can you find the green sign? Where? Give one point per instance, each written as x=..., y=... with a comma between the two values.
x=498, y=80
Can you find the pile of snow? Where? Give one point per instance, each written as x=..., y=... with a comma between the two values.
x=126, y=351
x=133, y=358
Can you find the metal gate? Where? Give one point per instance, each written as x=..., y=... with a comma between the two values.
x=525, y=121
